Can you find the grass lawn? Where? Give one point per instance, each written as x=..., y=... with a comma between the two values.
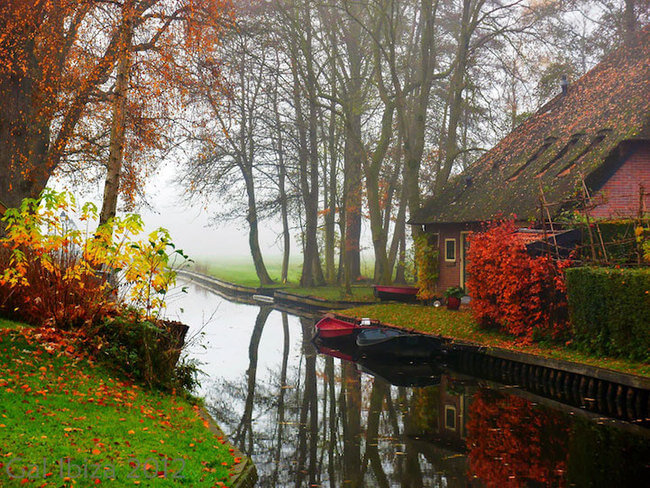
x=242, y=272
x=334, y=293
x=60, y=412
x=461, y=325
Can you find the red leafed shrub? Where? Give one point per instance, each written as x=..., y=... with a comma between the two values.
x=513, y=443
x=510, y=289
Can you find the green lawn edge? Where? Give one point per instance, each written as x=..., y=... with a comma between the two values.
x=460, y=325
x=60, y=411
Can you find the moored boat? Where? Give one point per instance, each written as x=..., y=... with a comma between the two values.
x=395, y=343
x=330, y=327
x=397, y=293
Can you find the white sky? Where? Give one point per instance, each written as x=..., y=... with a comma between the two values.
x=190, y=229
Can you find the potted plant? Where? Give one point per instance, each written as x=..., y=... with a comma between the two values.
x=453, y=295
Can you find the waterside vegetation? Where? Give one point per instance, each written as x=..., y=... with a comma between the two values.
x=461, y=326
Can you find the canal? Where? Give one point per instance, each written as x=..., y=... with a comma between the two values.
x=310, y=419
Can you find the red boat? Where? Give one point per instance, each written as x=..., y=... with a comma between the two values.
x=330, y=327
x=397, y=293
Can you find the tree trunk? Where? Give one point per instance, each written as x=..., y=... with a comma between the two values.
x=253, y=231
x=118, y=124
x=629, y=20
x=456, y=86
x=352, y=198
x=286, y=235
x=284, y=210
x=330, y=216
x=24, y=137
x=399, y=235
x=372, y=170
x=309, y=174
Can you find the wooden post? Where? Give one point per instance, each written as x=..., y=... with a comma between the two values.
x=600, y=236
x=589, y=233
x=550, y=221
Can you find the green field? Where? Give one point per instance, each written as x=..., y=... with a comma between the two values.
x=242, y=272
x=65, y=420
x=461, y=325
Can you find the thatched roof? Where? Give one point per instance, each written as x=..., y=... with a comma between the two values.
x=576, y=133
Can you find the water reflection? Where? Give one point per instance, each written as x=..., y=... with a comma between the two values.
x=310, y=419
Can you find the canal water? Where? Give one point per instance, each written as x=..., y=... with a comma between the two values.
x=313, y=420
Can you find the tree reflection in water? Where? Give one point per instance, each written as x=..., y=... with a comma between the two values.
x=314, y=420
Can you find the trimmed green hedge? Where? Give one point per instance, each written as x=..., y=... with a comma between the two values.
x=610, y=310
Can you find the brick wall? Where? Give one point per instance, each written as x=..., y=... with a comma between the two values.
x=619, y=197
x=449, y=270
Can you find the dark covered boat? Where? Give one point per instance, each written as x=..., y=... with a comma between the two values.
x=397, y=293
x=395, y=343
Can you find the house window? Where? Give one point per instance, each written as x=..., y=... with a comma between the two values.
x=450, y=250
x=450, y=417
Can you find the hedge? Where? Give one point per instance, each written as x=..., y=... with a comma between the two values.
x=609, y=310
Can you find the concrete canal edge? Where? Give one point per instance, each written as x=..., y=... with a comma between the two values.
x=626, y=379
x=301, y=303
x=244, y=474
x=224, y=286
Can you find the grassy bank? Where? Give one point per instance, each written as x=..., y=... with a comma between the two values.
x=360, y=293
x=460, y=325
x=242, y=272
x=65, y=420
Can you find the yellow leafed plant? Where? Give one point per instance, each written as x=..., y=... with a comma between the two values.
x=57, y=268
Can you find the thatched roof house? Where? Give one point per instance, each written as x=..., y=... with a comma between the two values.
x=598, y=129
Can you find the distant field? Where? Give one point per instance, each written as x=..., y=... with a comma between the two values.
x=242, y=272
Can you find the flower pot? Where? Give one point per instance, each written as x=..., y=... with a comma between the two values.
x=453, y=303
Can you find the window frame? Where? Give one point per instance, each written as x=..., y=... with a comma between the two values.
x=448, y=409
x=447, y=260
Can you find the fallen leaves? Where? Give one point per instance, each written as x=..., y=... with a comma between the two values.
x=78, y=409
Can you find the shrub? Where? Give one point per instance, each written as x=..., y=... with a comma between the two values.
x=57, y=274
x=511, y=290
x=426, y=260
x=53, y=274
x=610, y=309
x=147, y=350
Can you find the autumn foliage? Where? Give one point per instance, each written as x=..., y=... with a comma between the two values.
x=512, y=443
x=426, y=260
x=511, y=290
x=57, y=82
x=56, y=274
